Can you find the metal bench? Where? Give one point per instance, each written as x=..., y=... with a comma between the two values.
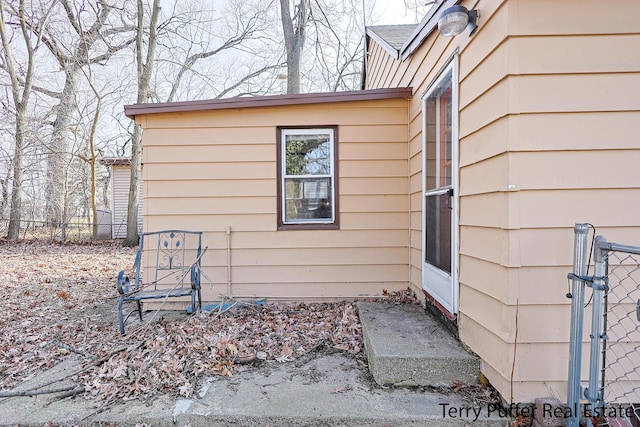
x=169, y=261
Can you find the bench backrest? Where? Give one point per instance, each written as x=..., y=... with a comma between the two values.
x=167, y=257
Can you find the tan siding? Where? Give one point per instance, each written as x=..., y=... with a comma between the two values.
x=574, y=169
x=606, y=92
x=218, y=153
x=252, y=135
x=374, y=168
x=535, y=373
x=213, y=223
x=485, y=210
x=373, y=185
x=346, y=113
x=474, y=147
x=491, y=175
x=389, y=237
x=377, y=55
x=380, y=65
x=317, y=274
x=221, y=205
x=199, y=178
x=213, y=187
x=612, y=129
x=596, y=17
x=563, y=208
x=372, y=133
x=383, y=68
x=377, y=203
x=574, y=54
x=373, y=221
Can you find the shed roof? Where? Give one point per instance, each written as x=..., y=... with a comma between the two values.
x=266, y=101
x=115, y=161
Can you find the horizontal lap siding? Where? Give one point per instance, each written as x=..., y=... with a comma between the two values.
x=212, y=170
x=548, y=127
x=549, y=118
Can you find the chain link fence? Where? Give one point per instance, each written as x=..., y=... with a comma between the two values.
x=612, y=392
x=75, y=229
x=621, y=335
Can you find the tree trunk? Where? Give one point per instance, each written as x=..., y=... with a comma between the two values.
x=57, y=157
x=134, y=187
x=20, y=101
x=145, y=67
x=294, y=30
x=18, y=174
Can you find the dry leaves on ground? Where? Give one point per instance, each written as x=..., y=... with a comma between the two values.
x=59, y=299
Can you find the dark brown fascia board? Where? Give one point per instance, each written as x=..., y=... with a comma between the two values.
x=425, y=28
x=115, y=161
x=267, y=101
x=383, y=43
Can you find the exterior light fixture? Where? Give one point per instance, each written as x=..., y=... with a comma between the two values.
x=455, y=19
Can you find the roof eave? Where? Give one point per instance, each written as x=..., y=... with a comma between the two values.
x=425, y=28
x=395, y=54
x=134, y=110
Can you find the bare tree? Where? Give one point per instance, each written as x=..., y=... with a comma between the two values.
x=418, y=8
x=21, y=88
x=91, y=157
x=214, y=53
x=294, y=29
x=144, y=62
x=90, y=30
x=338, y=36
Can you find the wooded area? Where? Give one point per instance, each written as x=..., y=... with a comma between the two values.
x=68, y=67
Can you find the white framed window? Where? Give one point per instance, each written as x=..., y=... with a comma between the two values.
x=307, y=170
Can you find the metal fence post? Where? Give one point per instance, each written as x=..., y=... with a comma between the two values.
x=581, y=232
x=593, y=391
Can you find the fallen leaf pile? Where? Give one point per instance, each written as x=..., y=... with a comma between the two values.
x=53, y=301
x=61, y=299
x=176, y=355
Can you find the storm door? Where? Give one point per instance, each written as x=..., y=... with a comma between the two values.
x=440, y=172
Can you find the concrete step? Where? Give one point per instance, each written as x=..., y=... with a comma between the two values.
x=405, y=346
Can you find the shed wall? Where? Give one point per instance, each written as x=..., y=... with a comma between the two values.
x=120, y=180
x=214, y=171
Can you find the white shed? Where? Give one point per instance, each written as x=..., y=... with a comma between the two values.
x=120, y=179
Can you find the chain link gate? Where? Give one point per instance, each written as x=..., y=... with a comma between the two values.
x=612, y=393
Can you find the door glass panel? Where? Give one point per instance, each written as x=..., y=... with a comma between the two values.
x=438, y=169
x=438, y=117
x=438, y=231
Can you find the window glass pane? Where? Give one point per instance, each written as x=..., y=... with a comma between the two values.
x=308, y=200
x=439, y=128
x=308, y=154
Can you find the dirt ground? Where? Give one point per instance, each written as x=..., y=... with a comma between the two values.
x=61, y=299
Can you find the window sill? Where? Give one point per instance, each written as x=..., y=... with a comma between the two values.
x=291, y=227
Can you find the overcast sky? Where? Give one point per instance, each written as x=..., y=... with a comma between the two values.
x=392, y=12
